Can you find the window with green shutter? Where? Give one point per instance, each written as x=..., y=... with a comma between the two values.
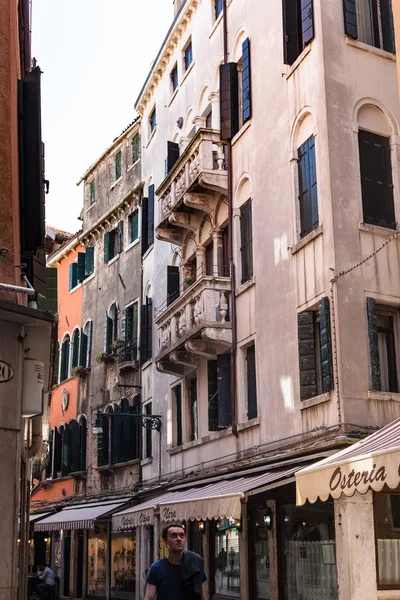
x=118, y=165
x=382, y=326
x=246, y=241
x=308, y=195
x=73, y=275
x=64, y=368
x=149, y=433
x=89, y=261
x=82, y=443
x=371, y=22
x=92, y=193
x=252, y=409
x=131, y=332
x=110, y=245
x=153, y=120
x=75, y=348
x=133, y=223
x=298, y=27
x=135, y=148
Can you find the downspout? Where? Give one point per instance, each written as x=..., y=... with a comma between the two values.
x=231, y=254
x=140, y=475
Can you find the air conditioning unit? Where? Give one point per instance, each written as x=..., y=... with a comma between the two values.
x=32, y=388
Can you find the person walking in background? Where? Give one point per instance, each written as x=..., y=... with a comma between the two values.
x=48, y=582
x=180, y=575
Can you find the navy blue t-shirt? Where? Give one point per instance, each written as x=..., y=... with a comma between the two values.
x=167, y=579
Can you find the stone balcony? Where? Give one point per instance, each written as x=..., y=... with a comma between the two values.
x=195, y=325
x=192, y=187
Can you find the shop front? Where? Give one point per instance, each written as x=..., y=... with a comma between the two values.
x=363, y=483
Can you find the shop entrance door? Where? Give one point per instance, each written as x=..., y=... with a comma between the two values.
x=258, y=554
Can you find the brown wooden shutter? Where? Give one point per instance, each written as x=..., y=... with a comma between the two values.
x=307, y=355
x=229, y=100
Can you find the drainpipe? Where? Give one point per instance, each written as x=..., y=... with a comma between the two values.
x=140, y=476
x=230, y=251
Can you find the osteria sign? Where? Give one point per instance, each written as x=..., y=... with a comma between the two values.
x=372, y=472
x=134, y=518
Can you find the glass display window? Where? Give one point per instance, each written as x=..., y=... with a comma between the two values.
x=259, y=554
x=227, y=563
x=97, y=561
x=123, y=565
x=387, y=532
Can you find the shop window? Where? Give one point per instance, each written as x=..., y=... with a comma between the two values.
x=259, y=558
x=97, y=561
x=195, y=537
x=148, y=433
x=308, y=196
x=123, y=557
x=382, y=325
x=227, y=564
x=376, y=179
x=370, y=21
x=315, y=353
x=193, y=410
x=219, y=393
x=387, y=530
x=308, y=551
x=298, y=27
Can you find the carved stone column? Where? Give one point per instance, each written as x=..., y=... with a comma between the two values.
x=199, y=122
x=218, y=252
x=215, y=118
x=201, y=261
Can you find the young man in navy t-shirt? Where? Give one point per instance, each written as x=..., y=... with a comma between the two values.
x=180, y=575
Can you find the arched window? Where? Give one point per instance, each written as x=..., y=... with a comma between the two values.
x=75, y=348
x=64, y=367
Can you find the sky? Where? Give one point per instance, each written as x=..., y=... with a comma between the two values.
x=95, y=56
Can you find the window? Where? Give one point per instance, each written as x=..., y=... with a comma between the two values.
x=193, y=410
x=117, y=165
x=172, y=284
x=118, y=441
x=113, y=242
x=219, y=5
x=148, y=220
x=149, y=434
x=66, y=450
x=177, y=410
x=174, y=78
x=73, y=275
x=49, y=462
x=382, y=326
x=172, y=156
x=219, y=393
x=376, y=179
x=110, y=328
x=86, y=345
x=146, y=323
x=133, y=226
x=252, y=411
x=153, y=120
x=56, y=365
x=85, y=263
x=245, y=82
x=308, y=196
x=370, y=21
x=227, y=563
x=131, y=332
x=298, y=27
x=57, y=453
x=75, y=447
x=135, y=144
x=64, y=367
x=92, y=195
x=246, y=241
x=75, y=348
x=315, y=354
x=187, y=56
x=387, y=534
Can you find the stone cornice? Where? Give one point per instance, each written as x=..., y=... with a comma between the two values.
x=167, y=50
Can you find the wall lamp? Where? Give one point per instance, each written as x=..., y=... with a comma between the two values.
x=268, y=518
x=202, y=527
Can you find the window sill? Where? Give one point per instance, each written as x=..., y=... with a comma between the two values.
x=306, y=240
x=215, y=26
x=173, y=96
x=132, y=244
x=91, y=206
x=298, y=61
x=321, y=399
x=128, y=463
x=79, y=474
x=151, y=136
x=146, y=461
x=385, y=231
x=245, y=286
x=71, y=291
x=248, y=424
x=214, y=435
x=116, y=182
x=147, y=364
x=384, y=396
x=149, y=249
x=89, y=278
x=241, y=131
x=188, y=70
x=370, y=49
x=113, y=259
x=133, y=165
x=388, y=594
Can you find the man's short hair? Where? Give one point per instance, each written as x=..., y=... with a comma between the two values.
x=164, y=531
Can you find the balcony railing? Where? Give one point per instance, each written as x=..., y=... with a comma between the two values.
x=201, y=312
x=202, y=162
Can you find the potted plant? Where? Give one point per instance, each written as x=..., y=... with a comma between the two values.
x=104, y=357
x=80, y=372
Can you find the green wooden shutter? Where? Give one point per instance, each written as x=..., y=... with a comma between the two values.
x=56, y=364
x=120, y=236
x=172, y=156
x=76, y=349
x=75, y=446
x=350, y=18
x=246, y=80
x=326, y=345
x=57, y=453
x=82, y=443
x=143, y=331
x=106, y=335
x=149, y=307
x=89, y=261
x=145, y=243
x=387, y=26
x=134, y=224
x=308, y=197
x=50, y=302
x=291, y=34
x=307, y=355
x=81, y=266
x=252, y=410
x=172, y=284
x=103, y=442
x=229, y=100
x=246, y=241
x=212, y=395
x=128, y=332
x=116, y=438
x=179, y=425
x=106, y=239
x=64, y=360
x=83, y=349
x=135, y=311
x=66, y=451
x=224, y=390
x=73, y=275
x=373, y=345
x=127, y=432
x=150, y=216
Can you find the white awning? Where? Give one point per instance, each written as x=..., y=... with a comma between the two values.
x=80, y=516
x=141, y=514
x=37, y=516
x=372, y=463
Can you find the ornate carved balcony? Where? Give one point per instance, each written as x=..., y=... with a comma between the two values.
x=192, y=187
x=195, y=324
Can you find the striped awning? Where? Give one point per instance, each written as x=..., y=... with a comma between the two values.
x=33, y=517
x=370, y=464
x=81, y=516
x=213, y=501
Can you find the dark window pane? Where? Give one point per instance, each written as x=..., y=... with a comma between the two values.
x=188, y=56
x=118, y=165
